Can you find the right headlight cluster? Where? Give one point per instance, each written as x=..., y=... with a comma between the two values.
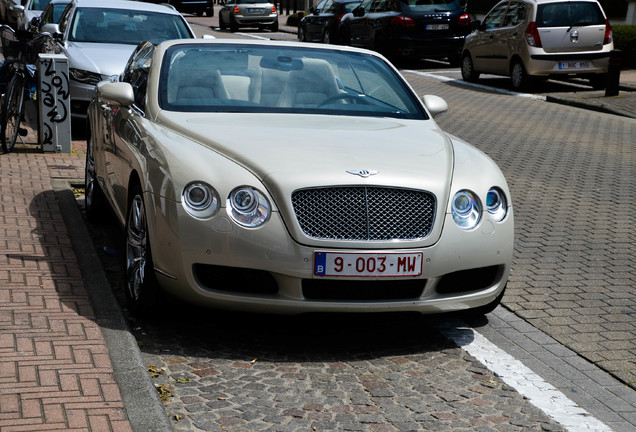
x=466, y=207
x=247, y=206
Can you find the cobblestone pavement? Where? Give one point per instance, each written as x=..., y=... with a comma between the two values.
x=571, y=173
x=572, y=279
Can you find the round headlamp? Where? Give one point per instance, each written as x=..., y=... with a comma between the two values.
x=466, y=209
x=200, y=200
x=248, y=207
x=496, y=204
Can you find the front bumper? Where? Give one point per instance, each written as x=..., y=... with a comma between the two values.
x=216, y=263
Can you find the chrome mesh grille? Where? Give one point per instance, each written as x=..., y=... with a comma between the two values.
x=364, y=213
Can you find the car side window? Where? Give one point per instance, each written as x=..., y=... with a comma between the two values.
x=367, y=4
x=136, y=72
x=328, y=7
x=320, y=6
x=66, y=15
x=494, y=18
x=516, y=14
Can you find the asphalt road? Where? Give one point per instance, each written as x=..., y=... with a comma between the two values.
x=568, y=314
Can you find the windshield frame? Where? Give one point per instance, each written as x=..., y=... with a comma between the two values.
x=295, y=58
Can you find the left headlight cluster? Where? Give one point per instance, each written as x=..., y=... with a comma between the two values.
x=466, y=207
x=246, y=206
x=85, y=76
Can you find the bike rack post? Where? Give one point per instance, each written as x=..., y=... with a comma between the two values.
x=54, y=101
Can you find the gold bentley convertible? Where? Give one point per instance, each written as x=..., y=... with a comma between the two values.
x=291, y=177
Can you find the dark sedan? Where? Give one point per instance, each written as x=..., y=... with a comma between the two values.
x=412, y=29
x=321, y=25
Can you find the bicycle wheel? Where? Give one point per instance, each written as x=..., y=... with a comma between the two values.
x=12, y=105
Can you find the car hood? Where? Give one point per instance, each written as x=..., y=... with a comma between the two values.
x=105, y=59
x=288, y=152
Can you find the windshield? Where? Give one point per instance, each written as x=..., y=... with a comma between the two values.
x=251, y=1
x=122, y=26
x=430, y=5
x=569, y=14
x=244, y=78
x=38, y=5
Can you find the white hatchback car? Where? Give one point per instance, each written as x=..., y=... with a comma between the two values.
x=525, y=39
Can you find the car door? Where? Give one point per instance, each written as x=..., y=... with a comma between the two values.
x=507, y=37
x=313, y=29
x=481, y=44
x=358, y=25
x=126, y=125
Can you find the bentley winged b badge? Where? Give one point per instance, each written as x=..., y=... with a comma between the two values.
x=363, y=172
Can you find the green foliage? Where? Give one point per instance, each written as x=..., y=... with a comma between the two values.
x=294, y=19
x=625, y=40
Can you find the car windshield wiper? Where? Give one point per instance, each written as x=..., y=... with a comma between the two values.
x=581, y=24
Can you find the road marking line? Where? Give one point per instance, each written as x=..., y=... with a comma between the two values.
x=540, y=393
x=253, y=36
x=435, y=75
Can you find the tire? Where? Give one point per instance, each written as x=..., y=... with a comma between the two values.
x=301, y=34
x=12, y=106
x=455, y=60
x=326, y=38
x=141, y=283
x=233, y=25
x=468, y=69
x=94, y=200
x=199, y=13
x=520, y=79
x=274, y=27
x=209, y=12
x=222, y=24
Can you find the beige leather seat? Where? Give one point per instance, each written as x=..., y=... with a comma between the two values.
x=309, y=87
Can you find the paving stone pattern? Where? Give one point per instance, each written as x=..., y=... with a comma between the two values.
x=572, y=174
x=55, y=373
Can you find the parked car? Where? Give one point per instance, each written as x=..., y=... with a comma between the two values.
x=408, y=29
x=323, y=21
x=98, y=38
x=528, y=39
x=287, y=177
x=248, y=13
x=197, y=7
x=21, y=14
x=50, y=15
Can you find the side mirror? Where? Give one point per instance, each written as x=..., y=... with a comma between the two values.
x=358, y=12
x=52, y=28
x=435, y=104
x=116, y=93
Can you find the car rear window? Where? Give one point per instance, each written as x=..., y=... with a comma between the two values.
x=243, y=78
x=569, y=14
x=430, y=5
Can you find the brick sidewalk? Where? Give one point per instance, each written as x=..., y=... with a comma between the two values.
x=55, y=372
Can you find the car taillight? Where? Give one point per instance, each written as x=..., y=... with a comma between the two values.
x=532, y=35
x=608, y=33
x=236, y=9
x=403, y=21
x=273, y=9
x=464, y=20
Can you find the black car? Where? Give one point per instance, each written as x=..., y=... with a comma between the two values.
x=321, y=25
x=412, y=29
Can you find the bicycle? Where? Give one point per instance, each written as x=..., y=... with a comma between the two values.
x=20, y=49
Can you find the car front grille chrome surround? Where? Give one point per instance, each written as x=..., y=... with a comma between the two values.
x=362, y=213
